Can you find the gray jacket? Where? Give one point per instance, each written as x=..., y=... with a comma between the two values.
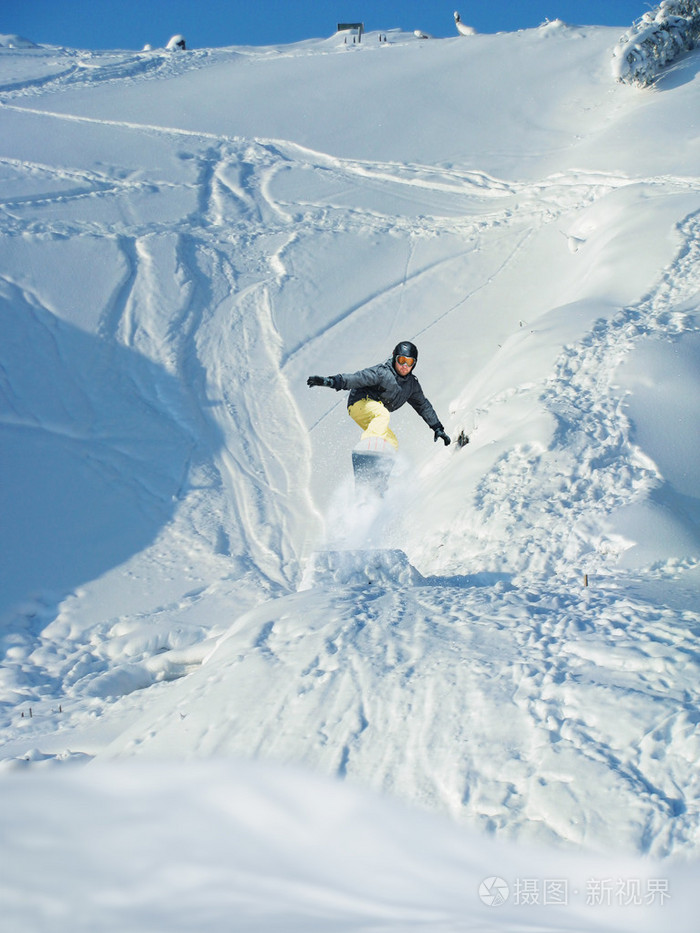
x=383, y=384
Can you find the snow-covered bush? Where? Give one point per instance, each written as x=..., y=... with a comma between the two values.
x=655, y=40
x=177, y=42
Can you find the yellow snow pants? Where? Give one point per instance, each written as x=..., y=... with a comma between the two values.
x=373, y=418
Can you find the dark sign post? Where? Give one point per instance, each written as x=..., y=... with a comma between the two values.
x=356, y=28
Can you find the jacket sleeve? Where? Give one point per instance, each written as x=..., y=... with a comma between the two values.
x=420, y=403
x=372, y=376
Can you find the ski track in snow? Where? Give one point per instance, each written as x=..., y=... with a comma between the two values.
x=371, y=677
x=85, y=68
x=550, y=656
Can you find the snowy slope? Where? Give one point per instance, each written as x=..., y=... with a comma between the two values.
x=186, y=575
x=253, y=849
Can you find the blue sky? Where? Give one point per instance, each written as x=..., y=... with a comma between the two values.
x=130, y=24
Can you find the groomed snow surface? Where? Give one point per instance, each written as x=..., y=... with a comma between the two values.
x=232, y=697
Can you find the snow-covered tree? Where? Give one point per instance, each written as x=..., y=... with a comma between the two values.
x=462, y=28
x=655, y=40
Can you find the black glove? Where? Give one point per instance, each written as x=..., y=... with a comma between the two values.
x=440, y=432
x=331, y=382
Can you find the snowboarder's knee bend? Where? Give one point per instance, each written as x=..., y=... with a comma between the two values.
x=373, y=417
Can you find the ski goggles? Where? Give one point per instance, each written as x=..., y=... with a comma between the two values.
x=405, y=360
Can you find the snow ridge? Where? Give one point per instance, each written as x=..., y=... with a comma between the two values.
x=554, y=500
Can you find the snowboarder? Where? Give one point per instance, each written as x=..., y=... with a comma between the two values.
x=377, y=391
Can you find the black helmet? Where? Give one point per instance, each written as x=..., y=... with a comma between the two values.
x=405, y=348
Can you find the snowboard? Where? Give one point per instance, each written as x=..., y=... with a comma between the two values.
x=372, y=462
